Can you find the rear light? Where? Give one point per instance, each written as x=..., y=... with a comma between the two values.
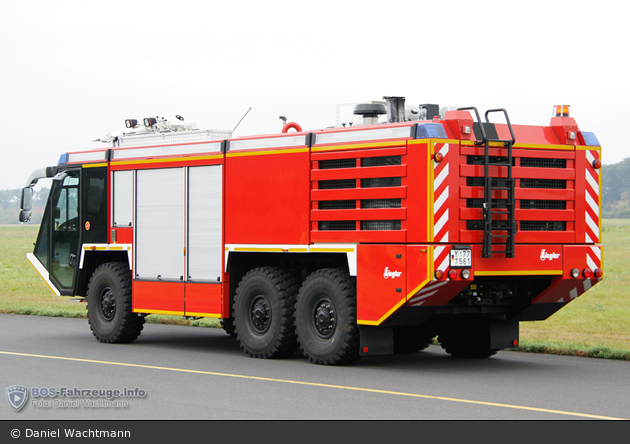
x=599, y=272
x=438, y=157
x=587, y=273
x=597, y=164
x=575, y=273
x=452, y=274
x=439, y=275
x=465, y=274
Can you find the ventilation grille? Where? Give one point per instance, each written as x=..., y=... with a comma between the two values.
x=543, y=204
x=381, y=161
x=341, y=204
x=381, y=203
x=338, y=225
x=534, y=162
x=380, y=225
x=479, y=160
x=537, y=225
x=380, y=182
x=337, y=205
x=337, y=184
x=337, y=163
x=554, y=184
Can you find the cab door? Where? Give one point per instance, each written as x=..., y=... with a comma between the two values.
x=57, y=246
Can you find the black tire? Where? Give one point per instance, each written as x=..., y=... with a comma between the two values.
x=109, y=305
x=264, y=307
x=412, y=338
x=228, y=325
x=467, y=339
x=326, y=318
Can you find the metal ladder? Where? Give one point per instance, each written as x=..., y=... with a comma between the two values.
x=506, y=223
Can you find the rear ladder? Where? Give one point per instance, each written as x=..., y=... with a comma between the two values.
x=504, y=226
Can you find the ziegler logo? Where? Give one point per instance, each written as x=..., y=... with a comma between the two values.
x=551, y=256
x=391, y=274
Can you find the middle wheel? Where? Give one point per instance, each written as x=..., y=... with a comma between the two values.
x=326, y=318
x=264, y=307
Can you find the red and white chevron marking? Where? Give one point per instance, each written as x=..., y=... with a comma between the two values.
x=440, y=194
x=440, y=262
x=592, y=198
x=593, y=261
x=594, y=258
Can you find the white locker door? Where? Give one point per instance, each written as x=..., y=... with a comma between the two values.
x=160, y=234
x=122, y=198
x=205, y=223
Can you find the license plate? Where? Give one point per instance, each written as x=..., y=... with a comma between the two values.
x=461, y=258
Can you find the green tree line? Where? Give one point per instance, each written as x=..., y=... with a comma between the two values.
x=616, y=190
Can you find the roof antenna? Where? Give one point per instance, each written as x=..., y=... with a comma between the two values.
x=239, y=122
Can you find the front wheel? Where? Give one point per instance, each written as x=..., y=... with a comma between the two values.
x=109, y=305
x=326, y=318
x=263, y=313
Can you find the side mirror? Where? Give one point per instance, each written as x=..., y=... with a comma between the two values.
x=25, y=216
x=27, y=199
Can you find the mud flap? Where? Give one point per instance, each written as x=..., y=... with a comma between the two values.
x=376, y=340
x=503, y=335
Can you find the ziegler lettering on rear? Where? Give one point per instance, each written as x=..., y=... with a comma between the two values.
x=551, y=256
x=391, y=274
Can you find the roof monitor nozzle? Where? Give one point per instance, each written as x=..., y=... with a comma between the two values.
x=370, y=112
x=395, y=109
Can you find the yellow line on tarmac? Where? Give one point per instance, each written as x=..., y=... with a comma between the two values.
x=317, y=384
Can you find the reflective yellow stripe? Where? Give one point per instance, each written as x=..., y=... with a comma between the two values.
x=164, y=312
x=259, y=153
x=359, y=145
x=167, y=160
x=203, y=315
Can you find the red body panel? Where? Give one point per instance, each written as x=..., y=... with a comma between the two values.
x=267, y=198
x=158, y=297
x=203, y=300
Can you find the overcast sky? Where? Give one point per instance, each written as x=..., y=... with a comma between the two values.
x=75, y=70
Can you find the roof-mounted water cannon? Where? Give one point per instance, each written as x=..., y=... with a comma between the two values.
x=370, y=112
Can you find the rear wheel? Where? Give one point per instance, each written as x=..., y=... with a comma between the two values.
x=412, y=338
x=326, y=318
x=264, y=307
x=109, y=305
x=467, y=339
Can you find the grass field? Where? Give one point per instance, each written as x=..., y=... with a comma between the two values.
x=596, y=324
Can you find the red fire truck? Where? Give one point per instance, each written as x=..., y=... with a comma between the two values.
x=349, y=241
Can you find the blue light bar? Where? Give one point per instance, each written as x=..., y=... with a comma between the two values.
x=63, y=160
x=590, y=139
x=430, y=130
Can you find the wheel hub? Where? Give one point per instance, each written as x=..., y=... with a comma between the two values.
x=108, y=303
x=260, y=314
x=324, y=318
